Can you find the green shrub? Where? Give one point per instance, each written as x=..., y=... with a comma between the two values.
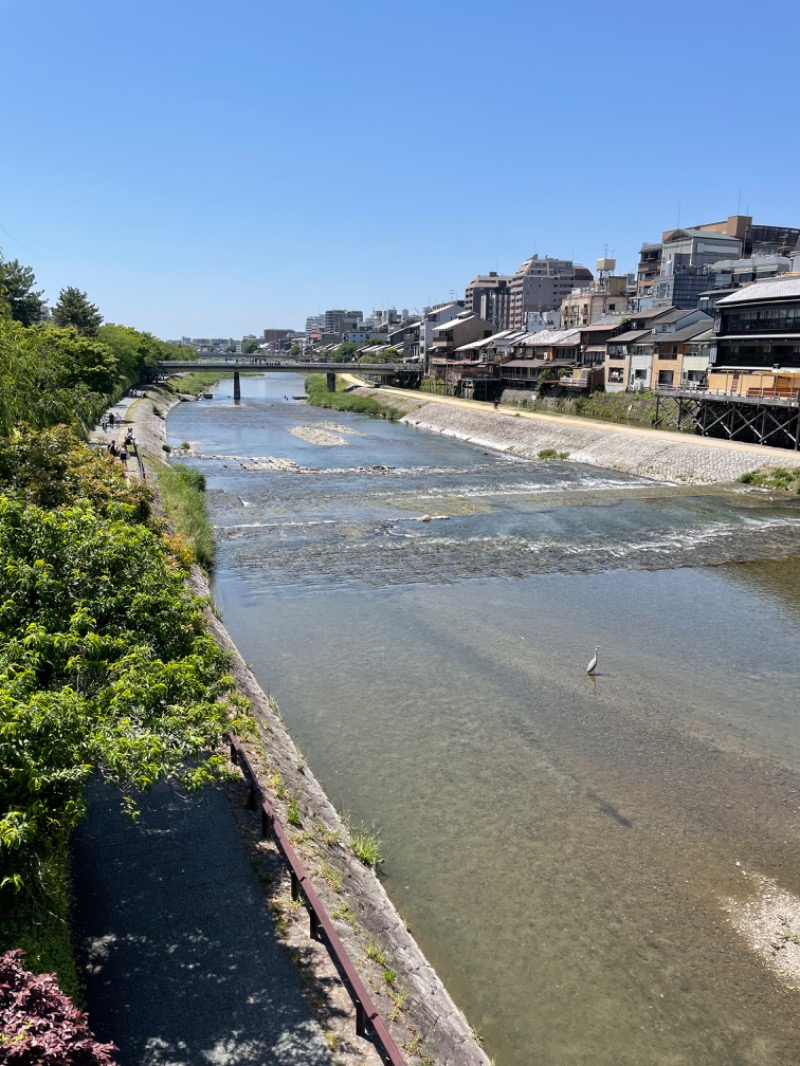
x=104, y=663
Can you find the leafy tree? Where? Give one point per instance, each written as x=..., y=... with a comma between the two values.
x=17, y=292
x=104, y=657
x=388, y=356
x=295, y=349
x=345, y=353
x=50, y=375
x=250, y=346
x=73, y=309
x=104, y=661
x=41, y=376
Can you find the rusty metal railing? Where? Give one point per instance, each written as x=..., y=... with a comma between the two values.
x=320, y=925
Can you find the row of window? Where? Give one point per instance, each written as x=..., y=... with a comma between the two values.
x=761, y=320
x=758, y=355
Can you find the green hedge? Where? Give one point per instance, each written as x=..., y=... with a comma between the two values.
x=105, y=663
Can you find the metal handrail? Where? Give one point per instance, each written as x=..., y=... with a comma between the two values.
x=788, y=397
x=366, y=1012
x=140, y=461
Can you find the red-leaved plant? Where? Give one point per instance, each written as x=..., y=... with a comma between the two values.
x=39, y=1026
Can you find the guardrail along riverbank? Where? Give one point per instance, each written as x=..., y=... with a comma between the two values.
x=368, y=1019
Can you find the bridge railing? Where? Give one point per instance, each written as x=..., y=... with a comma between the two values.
x=320, y=926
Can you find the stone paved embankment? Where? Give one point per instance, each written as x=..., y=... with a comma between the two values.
x=661, y=456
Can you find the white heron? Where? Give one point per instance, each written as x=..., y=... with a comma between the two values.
x=590, y=669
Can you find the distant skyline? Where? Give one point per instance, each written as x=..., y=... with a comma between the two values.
x=209, y=170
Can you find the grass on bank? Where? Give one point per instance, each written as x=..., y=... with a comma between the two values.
x=779, y=479
x=183, y=494
x=194, y=381
x=365, y=845
x=318, y=395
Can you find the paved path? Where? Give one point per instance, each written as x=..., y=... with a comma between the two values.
x=102, y=437
x=184, y=967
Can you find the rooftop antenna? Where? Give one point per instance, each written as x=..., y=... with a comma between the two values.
x=679, y=216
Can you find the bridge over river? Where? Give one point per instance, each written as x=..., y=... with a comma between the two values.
x=404, y=374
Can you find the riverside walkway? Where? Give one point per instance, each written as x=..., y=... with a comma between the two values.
x=183, y=964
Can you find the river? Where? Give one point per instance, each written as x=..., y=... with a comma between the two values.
x=565, y=849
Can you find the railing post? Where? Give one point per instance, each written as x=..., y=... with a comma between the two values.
x=361, y=1019
x=313, y=924
x=266, y=823
x=295, y=886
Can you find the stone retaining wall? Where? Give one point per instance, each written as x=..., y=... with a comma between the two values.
x=662, y=457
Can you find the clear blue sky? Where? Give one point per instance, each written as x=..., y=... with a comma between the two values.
x=213, y=168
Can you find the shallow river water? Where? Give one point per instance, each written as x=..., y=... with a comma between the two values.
x=565, y=849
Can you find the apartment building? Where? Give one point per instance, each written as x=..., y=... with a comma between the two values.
x=541, y=285
x=433, y=317
x=488, y=296
x=584, y=307
x=671, y=271
x=338, y=321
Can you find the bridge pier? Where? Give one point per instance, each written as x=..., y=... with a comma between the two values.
x=237, y=389
x=331, y=381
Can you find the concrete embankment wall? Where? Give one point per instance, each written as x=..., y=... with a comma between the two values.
x=667, y=457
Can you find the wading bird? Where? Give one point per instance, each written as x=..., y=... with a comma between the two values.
x=590, y=669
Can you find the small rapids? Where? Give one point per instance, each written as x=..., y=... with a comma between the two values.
x=406, y=553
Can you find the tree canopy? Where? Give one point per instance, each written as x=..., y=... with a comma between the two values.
x=74, y=309
x=17, y=293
